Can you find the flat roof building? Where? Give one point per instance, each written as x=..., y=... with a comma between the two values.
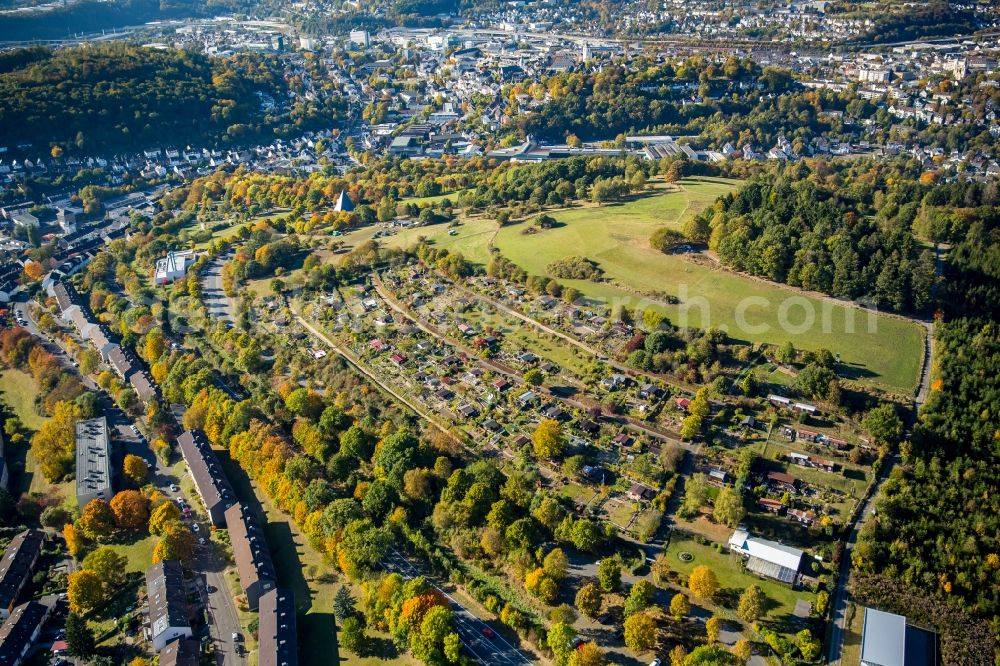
x=93, y=461
x=888, y=640
x=169, y=616
x=173, y=266
x=16, y=567
x=19, y=633
x=216, y=493
x=253, y=559
x=277, y=636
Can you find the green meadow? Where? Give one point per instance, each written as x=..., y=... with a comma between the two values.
x=880, y=349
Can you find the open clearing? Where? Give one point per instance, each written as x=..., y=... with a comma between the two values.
x=19, y=390
x=728, y=569
x=882, y=350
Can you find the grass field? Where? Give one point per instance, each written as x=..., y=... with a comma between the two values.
x=19, y=390
x=472, y=238
x=883, y=350
x=727, y=567
x=139, y=553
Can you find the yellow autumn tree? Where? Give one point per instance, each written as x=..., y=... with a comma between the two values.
x=54, y=445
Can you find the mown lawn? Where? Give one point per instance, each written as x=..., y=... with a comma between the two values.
x=728, y=569
x=138, y=552
x=19, y=390
x=472, y=238
x=879, y=349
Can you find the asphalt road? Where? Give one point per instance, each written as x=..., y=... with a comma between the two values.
x=838, y=616
x=219, y=305
x=486, y=649
x=220, y=609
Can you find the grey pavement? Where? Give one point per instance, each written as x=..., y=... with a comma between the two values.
x=218, y=305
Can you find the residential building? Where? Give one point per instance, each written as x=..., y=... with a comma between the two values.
x=19, y=633
x=143, y=386
x=276, y=637
x=16, y=567
x=183, y=652
x=169, y=615
x=888, y=639
x=253, y=559
x=64, y=298
x=767, y=558
x=209, y=480
x=93, y=461
x=120, y=362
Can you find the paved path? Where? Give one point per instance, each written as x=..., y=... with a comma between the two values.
x=218, y=305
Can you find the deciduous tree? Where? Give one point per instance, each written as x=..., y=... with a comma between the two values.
x=131, y=509
x=703, y=582
x=588, y=600
x=680, y=606
x=752, y=604
x=548, y=439
x=587, y=654
x=109, y=565
x=640, y=632
x=136, y=469
x=712, y=628
x=177, y=543
x=728, y=508
x=84, y=590
x=162, y=516
x=97, y=521
x=609, y=574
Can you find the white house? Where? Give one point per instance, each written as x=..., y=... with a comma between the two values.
x=173, y=266
x=767, y=558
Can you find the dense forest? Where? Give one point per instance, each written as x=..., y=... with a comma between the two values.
x=860, y=230
x=117, y=96
x=616, y=99
x=937, y=528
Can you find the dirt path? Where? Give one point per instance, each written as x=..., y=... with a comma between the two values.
x=625, y=421
x=352, y=360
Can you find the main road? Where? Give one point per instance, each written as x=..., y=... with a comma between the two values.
x=485, y=644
